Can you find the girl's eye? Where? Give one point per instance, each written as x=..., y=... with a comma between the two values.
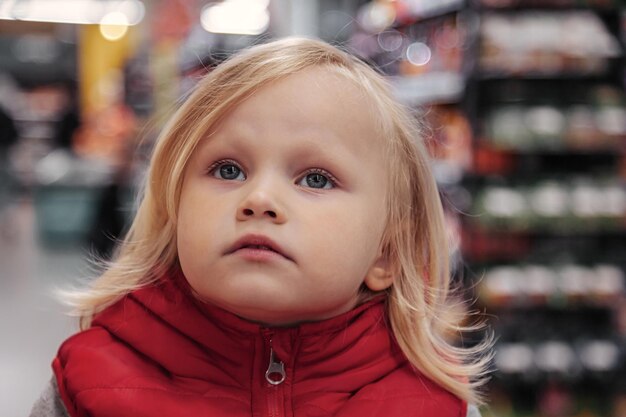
x=317, y=180
x=227, y=171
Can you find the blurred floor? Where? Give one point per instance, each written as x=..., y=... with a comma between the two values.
x=32, y=322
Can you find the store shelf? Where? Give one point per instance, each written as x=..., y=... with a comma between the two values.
x=544, y=125
x=547, y=75
x=569, y=156
x=599, y=6
x=589, y=233
x=515, y=6
x=535, y=165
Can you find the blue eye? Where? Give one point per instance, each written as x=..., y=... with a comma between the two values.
x=227, y=171
x=317, y=180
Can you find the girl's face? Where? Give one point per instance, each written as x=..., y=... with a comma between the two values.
x=282, y=208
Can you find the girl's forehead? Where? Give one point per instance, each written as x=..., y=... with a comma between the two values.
x=314, y=95
x=317, y=89
x=316, y=105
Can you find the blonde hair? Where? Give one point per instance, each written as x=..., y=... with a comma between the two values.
x=415, y=237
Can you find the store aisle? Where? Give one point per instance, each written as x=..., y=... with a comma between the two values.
x=32, y=323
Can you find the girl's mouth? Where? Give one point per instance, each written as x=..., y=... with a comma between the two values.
x=257, y=247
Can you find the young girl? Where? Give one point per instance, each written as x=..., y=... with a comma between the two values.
x=288, y=258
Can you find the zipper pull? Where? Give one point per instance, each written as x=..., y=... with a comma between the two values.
x=275, y=373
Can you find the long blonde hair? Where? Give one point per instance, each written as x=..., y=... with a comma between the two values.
x=415, y=237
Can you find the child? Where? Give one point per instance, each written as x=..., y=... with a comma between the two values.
x=288, y=258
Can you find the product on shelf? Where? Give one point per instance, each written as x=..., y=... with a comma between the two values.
x=514, y=358
x=580, y=204
x=599, y=355
x=564, y=285
x=578, y=127
x=556, y=357
x=540, y=43
x=570, y=360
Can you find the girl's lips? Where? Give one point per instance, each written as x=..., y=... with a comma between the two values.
x=257, y=247
x=257, y=254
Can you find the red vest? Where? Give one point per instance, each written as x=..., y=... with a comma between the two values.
x=159, y=352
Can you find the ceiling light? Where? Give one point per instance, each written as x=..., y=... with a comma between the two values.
x=244, y=17
x=113, y=26
x=71, y=11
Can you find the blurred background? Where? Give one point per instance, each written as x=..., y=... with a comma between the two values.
x=526, y=113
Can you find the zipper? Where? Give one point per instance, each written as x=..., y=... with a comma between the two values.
x=275, y=373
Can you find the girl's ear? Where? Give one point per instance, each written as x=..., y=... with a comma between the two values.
x=381, y=275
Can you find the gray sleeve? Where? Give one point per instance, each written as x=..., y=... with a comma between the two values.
x=472, y=411
x=49, y=403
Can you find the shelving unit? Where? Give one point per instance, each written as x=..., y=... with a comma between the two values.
x=548, y=214
x=529, y=128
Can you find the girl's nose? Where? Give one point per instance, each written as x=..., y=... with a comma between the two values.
x=259, y=204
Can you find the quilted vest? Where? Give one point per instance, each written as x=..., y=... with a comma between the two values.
x=161, y=352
